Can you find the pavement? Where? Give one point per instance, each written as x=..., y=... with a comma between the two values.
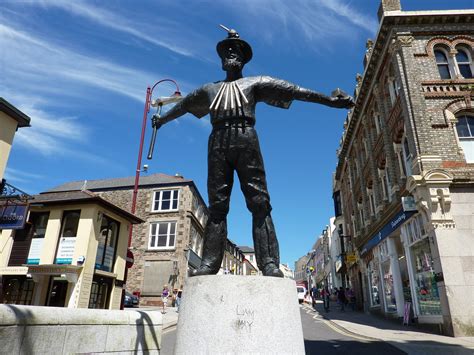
x=366, y=326
x=410, y=338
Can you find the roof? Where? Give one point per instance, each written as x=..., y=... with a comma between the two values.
x=114, y=183
x=69, y=197
x=22, y=119
x=246, y=249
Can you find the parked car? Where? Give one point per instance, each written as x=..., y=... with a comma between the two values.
x=301, y=290
x=130, y=300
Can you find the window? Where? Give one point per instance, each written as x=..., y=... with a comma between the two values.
x=165, y=200
x=443, y=64
x=465, y=130
x=370, y=193
x=464, y=63
x=162, y=235
x=39, y=221
x=67, y=241
x=360, y=207
x=70, y=224
x=393, y=89
x=107, y=246
x=407, y=157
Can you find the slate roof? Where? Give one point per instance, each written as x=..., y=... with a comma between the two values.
x=123, y=182
x=22, y=119
x=70, y=197
x=246, y=249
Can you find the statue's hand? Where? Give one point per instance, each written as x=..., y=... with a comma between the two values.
x=341, y=99
x=156, y=121
x=345, y=102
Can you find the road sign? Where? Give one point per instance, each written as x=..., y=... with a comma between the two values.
x=129, y=259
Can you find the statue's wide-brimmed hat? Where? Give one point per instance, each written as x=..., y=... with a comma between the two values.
x=233, y=39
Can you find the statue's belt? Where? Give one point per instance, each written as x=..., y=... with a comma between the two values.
x=234, y=122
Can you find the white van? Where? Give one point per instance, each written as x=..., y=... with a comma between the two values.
x=301, y=290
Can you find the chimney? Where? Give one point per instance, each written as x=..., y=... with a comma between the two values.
x=388, y=5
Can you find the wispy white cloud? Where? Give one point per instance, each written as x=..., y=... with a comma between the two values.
x=344, y=9
x=167, y=36
x=20, y=176
x=303, y=21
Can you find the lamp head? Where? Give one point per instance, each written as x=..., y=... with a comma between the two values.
x=166, y=100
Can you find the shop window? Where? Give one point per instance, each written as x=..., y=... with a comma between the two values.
x=388, y=287
x=465, y=131
x=442, y=63
x=425, y=282
x=165, y=200
x=162, y=235
x=67, y=241
x=17, y=290
x=464, y=62
x=374, y=284
x=107, y=244
x=100, y=292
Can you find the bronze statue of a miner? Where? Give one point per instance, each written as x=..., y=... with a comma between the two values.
x=233, y=146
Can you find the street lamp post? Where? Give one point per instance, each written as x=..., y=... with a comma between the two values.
x=148, y=102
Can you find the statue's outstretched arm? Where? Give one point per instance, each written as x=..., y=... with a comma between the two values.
x=196, y=102
x=339, y=99
x=281, y=93
x=176, y=111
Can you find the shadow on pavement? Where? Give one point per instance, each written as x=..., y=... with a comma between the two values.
x=325, y=347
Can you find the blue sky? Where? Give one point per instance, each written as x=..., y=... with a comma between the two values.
x=80, y=70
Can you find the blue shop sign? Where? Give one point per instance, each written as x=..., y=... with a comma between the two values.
x=400, y=218
x=13, y=216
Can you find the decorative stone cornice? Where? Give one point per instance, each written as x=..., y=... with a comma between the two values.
x=432, y=196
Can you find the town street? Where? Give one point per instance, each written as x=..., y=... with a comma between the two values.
x=320, y=336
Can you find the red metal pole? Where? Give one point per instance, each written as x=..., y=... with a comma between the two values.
x=149, y=92
x=135, y=187
x=139, y=162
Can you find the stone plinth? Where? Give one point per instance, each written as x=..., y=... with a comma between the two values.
x=239, y=314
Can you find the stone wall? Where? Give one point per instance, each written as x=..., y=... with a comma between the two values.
x=456, y=251
x=51, y=330
x=150, y=262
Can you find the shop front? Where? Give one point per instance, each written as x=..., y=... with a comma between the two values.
x=424, y=289
x=386, y=268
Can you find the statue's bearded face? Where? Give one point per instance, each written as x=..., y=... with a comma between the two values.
x=233, y=59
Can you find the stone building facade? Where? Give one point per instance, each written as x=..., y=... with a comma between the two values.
x=404, y=183
x=169, y=243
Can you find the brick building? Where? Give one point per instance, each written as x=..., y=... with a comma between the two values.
x=404, y=185
x=169, y=243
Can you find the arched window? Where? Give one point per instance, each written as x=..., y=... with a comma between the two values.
x=464, y=62
x=443, y=64
x=465, y=129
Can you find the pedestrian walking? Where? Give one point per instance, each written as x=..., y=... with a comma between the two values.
x=326, y=297
x=350, y=295
x=165, y=293
x=341, y=298
x=314, y=293
x=178, y=298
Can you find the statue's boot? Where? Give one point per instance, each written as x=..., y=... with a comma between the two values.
x=266, y=246
x=215, y=236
